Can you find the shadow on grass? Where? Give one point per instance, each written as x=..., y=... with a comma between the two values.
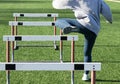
x=100, y=80
x=109, y=61
x=112, y=81
x=34, y=10
x=42, y=46
x=30, y=45
x=115, y=11
x=14, y=1
x=94, y=45
x=4, y=22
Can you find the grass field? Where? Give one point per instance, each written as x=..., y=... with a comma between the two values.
x=106, y=49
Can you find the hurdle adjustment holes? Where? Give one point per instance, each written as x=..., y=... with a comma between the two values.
x=93, y=67
x=7, y=38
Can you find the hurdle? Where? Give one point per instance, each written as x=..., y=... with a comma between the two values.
x=51, y=67
x=37, y=66
x=11, y=38
x=34, y=15
x=13, y=24
x=31, y=23
x=16, y=15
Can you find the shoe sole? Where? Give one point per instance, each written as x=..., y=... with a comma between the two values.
x=67, y=30
x=85, y=79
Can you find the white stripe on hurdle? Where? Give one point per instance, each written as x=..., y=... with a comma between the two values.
x=31, y=23
x=39, y=38
x=50, y=66
x=35, y=14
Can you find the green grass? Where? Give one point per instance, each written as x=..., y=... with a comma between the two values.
x=106, y=49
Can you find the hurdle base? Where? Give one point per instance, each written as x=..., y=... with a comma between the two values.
x=16, y=47
x=56, y=47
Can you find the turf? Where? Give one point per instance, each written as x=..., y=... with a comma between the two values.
x=106, y=49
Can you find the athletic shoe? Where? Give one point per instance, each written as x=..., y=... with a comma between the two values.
x=85, y=77
x=70, y=29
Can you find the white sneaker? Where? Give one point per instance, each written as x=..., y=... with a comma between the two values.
x=85, y=77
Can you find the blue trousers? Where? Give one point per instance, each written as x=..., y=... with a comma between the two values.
x=89, y=36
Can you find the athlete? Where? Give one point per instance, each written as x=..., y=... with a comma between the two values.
x=87, y=22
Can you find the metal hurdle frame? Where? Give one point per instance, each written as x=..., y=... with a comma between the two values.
x=38, y=66
x=47, y=66
x=39, y=38
x=33, y=15
x=14, y=24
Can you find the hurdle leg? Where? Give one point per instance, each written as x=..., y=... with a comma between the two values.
x=8, y=60
x=15, y=33
x=12, y=44
x=93, y=77
x=8, y=77
x=55, y=46
x=72, y=59
x=61, y=48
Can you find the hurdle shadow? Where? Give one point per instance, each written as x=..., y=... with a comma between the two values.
x=109, y=61
x=105, y=81
x=45, y=46
x=96, y=45
x=112, y=81
x=34, y=46
x=13, y=1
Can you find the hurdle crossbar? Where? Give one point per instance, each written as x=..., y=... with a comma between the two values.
x=39, y=38
x=50, y=66
x=35, y=14
x=31, y=23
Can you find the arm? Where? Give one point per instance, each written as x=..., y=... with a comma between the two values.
x=106, y=12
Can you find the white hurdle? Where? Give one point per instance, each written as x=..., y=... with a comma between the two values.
x=50, y=66
x=31, y=23
x=14, y=25
x=34, y=15
x=16, y=15
x=38, y=38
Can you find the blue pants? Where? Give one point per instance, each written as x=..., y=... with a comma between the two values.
x=90, y=37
